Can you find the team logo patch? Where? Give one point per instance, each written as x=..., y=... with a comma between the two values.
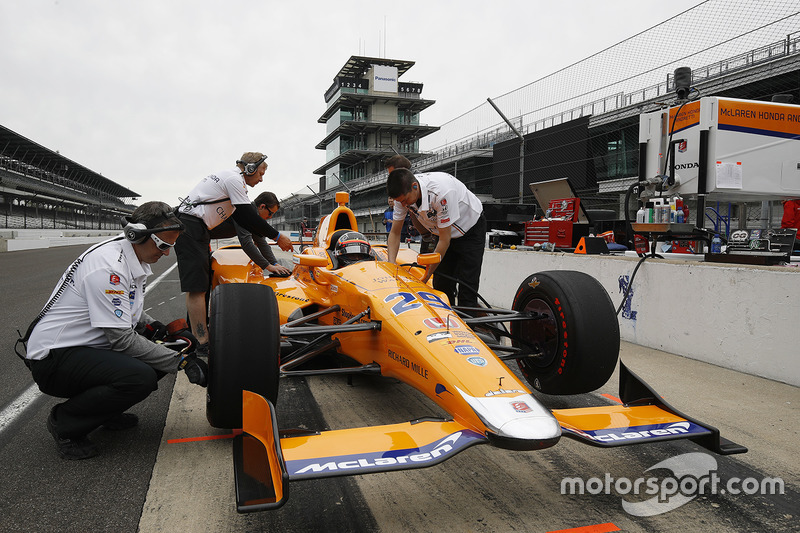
x=113, y=279
x=477, y=361
x=438, y=323
x=118, y=312
x=521, y=407
x=464, y=349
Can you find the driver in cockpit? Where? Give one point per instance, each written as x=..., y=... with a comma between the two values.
x=351, y=248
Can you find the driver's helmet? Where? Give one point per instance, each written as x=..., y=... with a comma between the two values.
x=352, y=247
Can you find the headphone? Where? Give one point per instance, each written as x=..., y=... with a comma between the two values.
x=251, y=168
x=137, y=233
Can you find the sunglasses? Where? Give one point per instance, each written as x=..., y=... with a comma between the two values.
x=270, y=212
x=162, y=245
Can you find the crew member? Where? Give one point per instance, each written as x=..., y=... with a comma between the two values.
x=214, y=200
x=257, y=248
x=446, y=208
x=88, y=342
x=427, y=239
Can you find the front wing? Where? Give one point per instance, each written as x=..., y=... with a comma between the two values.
x=264, y=461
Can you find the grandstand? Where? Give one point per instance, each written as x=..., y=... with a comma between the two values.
x=41, y=189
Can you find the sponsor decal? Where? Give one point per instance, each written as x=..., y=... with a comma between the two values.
x=464, y=349
x=290, y=297
x=113, y=279
x=334, y=288
x=521, y=407
x=406, y=362
x=444, y=201
x=477, y=361
x=112, y=291
x=118, y=312
x=445, y=220
x=438, y=336
x=116, y=301
x=438, y=323
x=504, y=391
x=385, y=460
x=653, y=431
x=682, y=146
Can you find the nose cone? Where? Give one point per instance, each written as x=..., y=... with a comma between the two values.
x=517, y=422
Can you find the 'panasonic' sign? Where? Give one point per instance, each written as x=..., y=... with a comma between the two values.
x=384, y=78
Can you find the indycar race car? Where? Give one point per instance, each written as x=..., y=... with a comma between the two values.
x=345, y=299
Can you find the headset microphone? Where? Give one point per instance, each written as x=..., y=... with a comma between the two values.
x=251, y=168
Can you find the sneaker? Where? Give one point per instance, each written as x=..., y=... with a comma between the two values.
x=71, y=449
x=202, y=350
x=122, y=421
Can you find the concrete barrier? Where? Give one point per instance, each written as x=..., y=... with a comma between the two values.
x=32, y=239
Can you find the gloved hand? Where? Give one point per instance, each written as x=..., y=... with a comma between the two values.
x=155, y=331
x=196, y=369
x=179, y=330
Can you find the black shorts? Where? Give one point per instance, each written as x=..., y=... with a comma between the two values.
x=193, y=250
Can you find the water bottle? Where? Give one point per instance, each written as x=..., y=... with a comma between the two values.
x=640, y=215
x=716, y=245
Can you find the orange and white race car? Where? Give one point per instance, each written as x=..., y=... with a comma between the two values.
x=345, y=298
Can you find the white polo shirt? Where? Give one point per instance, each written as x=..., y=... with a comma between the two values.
x=107, y=291
x=225, y=188
x=446, y=203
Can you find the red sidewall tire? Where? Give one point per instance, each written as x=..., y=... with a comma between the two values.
x=578, y=338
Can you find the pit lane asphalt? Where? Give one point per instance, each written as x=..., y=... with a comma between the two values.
x=143, y=482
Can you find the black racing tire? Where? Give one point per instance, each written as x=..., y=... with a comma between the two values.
x=244, y=350
x=578, y=338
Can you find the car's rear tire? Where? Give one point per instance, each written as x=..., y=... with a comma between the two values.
x=578, y=338
x=244, y=342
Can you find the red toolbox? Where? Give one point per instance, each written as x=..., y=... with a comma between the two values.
x=559, y=229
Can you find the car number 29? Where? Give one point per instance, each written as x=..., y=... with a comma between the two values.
x=409, y=301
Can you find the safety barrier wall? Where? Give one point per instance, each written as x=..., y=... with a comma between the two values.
x=737, y=317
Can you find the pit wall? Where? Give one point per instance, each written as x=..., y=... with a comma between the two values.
x=742, y=318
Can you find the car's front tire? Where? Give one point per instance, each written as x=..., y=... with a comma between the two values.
x=244, y=342
x=577, y=335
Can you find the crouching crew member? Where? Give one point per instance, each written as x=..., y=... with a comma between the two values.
x=88, y=343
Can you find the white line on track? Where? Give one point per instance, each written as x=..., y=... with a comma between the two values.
x=18, y=406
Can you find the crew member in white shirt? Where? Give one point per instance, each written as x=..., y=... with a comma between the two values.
x=216, y=199
x=89, y=344
x=444, y=206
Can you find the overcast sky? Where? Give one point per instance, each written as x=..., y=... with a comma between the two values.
x=156, y=94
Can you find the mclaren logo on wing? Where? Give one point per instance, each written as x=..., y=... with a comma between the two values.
x=386, y=460
x=639, y=432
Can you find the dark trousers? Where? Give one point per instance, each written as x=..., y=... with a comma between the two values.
x=100, y=384
x=463, y=260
